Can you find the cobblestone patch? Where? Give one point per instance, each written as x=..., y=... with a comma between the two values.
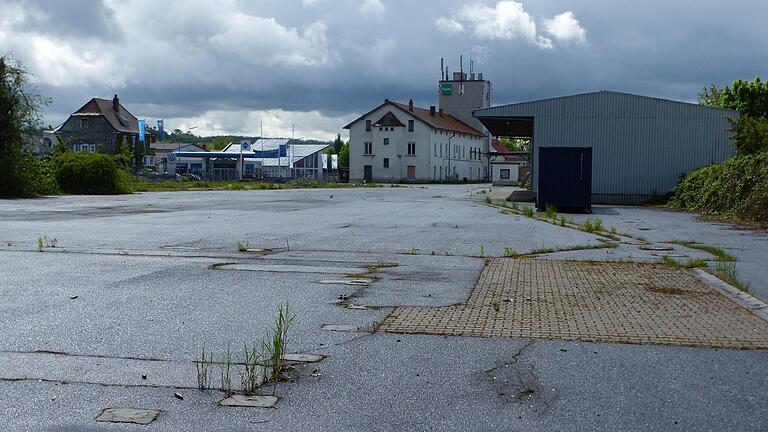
x=590, y=301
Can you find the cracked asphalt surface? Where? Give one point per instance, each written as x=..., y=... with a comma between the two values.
x=132, y=289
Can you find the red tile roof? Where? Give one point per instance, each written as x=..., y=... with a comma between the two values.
x=437, y=121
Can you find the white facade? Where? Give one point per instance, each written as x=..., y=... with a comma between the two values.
x=428, y=153
x=505, y=173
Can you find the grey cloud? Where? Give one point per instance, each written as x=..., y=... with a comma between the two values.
x=71, y=18
x=659, y=48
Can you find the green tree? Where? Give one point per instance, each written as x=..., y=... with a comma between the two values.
x=344, y=155
x=338, y=144
x=750, y=98
x=20, y=114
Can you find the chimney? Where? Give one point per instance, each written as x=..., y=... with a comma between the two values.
x=386, y=101
x=116, y=104
x=410, y=105
x=432, y=110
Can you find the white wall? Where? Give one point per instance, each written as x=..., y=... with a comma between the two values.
x=426, y=163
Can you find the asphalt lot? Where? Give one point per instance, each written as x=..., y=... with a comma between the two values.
x=132, y=288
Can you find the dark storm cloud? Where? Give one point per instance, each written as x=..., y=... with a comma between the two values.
x=72, y=18
x=341, y=57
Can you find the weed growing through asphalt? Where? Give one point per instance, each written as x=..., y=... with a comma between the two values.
x=250, y=370
x=543, y=251
x=276, y=347
x=726, y=271
x=204, y=365
x=448, y=253
x=243, y=246
x=226, y=373
x=496, y=306
x=411, y=251
x=514, y=206
x=510, y=253
x=528, y=212
x=40, y=244
x=482, y=250
x=563, y=221
x=691, y=263
x=713, y=250
x=551, y=211
x=487, y=200
x=592, y=225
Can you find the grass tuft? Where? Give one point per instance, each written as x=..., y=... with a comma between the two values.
x=243, y=246
x=726, y=271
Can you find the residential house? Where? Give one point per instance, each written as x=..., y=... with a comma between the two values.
x=100, y=126
x=398, y=142
x=507, y=167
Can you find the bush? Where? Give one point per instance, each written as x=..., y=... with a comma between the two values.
x=84, y=173
x=736, y=188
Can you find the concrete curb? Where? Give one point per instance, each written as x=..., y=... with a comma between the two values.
x=755, y=305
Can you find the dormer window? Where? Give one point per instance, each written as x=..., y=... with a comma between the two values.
x=85, y=123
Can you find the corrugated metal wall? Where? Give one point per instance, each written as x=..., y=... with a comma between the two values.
x=641, y=145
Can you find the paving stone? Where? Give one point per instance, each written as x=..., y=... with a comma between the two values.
x=340, y=327
x=249, y=401
x=128, y=415
x=590, y=301
x=303, y=358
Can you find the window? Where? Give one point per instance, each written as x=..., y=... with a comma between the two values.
x=367, y=125
x=410, y=125
x=386, y=162
x=381, y=129
x=435, y=149
x=47, y=142
x=84, y=123
x=368, y=148
x=504, y=174
x=411, y=149
x=386, y=141
x=441, y=149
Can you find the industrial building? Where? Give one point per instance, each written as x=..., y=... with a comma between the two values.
x=640, y=145
x=397, y=142
x=266, y=158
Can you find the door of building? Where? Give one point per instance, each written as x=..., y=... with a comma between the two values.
x=368, y=173
x=411, y=172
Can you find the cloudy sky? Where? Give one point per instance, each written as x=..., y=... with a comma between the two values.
x=228, y=66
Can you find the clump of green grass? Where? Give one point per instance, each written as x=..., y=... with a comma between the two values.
x=250, y=371
x=482, y=191
x=514, y=206
x=411, y=251
x=511, y=253
x=204, y=365
x=563, y=221
x=691, y=263
x=551, y=211
x=448, y=253
x=40, y=244
x=243, y=246
x=528, y=212
x=276, y=347
x=496, y=306
x=543, y=251
x=726, y=271
x=482, y=250
x=487, y=200
x=713, y=250
x=592, y=225
x=226, y=373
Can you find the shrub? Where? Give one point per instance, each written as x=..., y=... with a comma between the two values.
x=736, y=188
x=85, y=173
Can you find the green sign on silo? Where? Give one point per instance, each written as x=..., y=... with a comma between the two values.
x=446, y=89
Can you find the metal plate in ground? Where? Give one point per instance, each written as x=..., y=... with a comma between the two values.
x=128, y=415
x=590, y=301
x=249, y=401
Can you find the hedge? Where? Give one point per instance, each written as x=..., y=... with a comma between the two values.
x=736, y=188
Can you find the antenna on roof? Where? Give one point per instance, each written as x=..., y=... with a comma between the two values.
x=461, y=62
x=442, y=66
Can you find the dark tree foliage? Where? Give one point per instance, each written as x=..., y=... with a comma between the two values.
x=750, y=98
x=20, y=110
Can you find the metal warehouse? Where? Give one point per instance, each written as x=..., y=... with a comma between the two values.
x=640, y=145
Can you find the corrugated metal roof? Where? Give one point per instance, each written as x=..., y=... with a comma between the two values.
x=296, y=151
